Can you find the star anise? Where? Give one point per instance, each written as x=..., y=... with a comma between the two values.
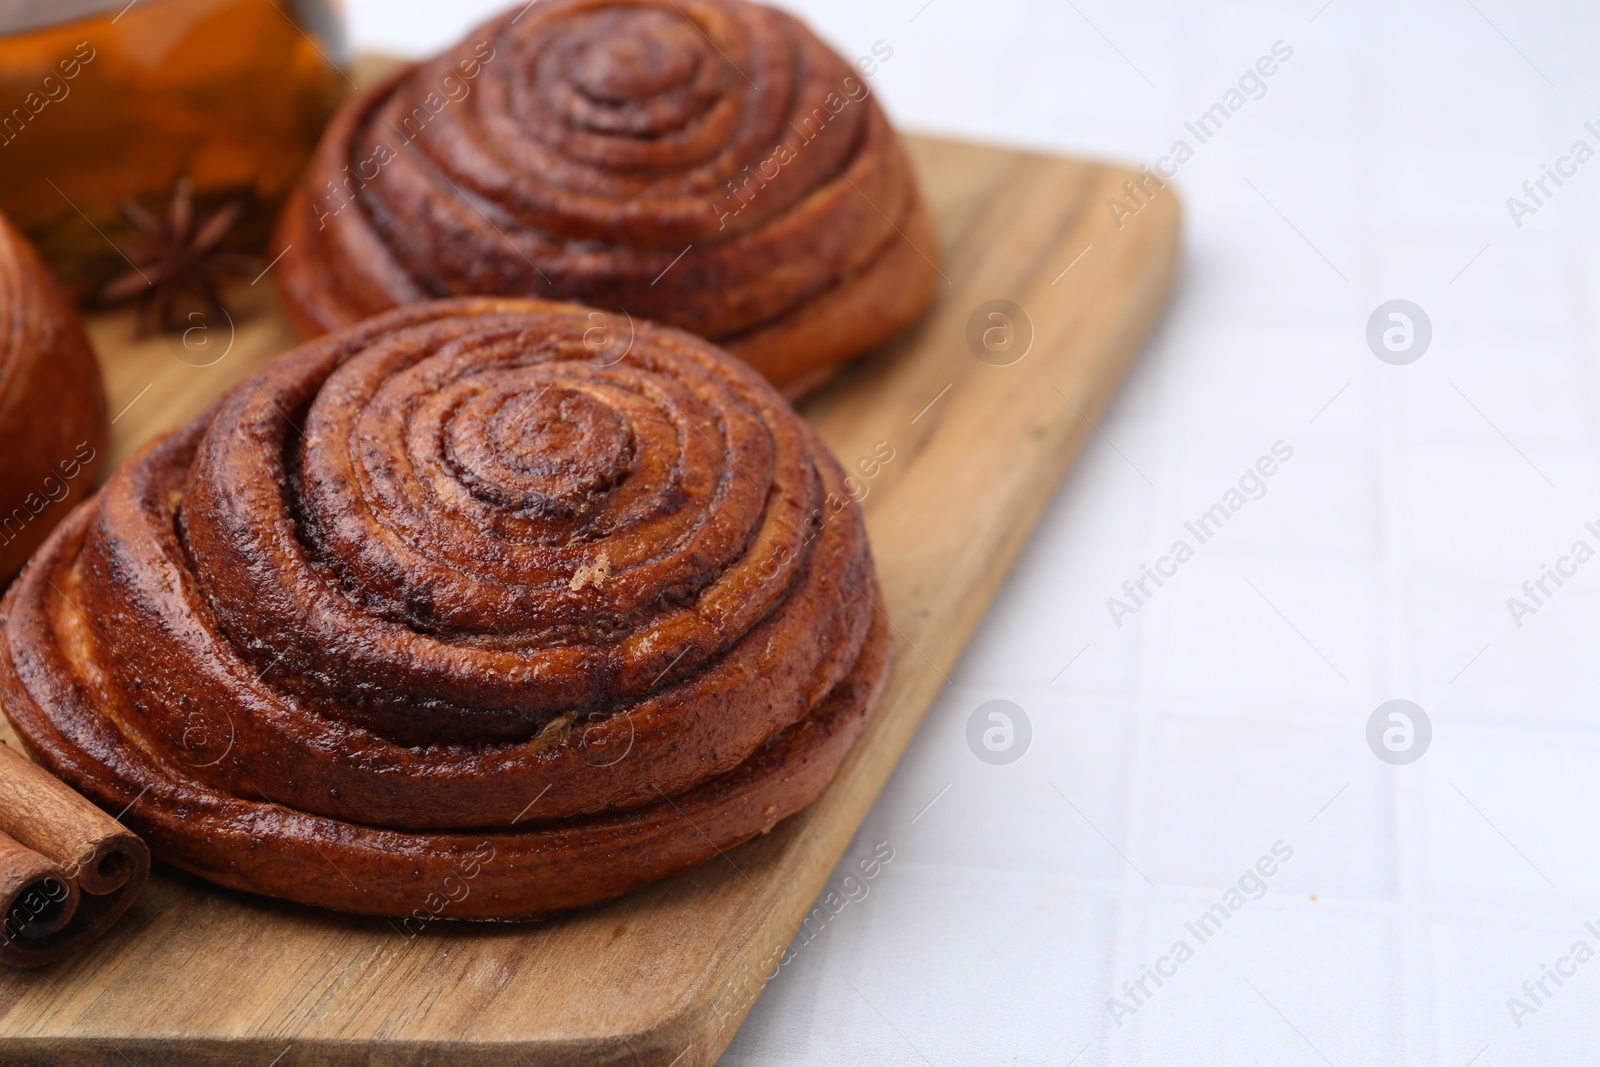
x=178, y=267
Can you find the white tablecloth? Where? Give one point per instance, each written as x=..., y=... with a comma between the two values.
x=1228, y=714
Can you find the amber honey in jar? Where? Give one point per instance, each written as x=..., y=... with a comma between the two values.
x=103, y=104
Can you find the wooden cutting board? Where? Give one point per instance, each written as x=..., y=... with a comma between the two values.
x=196, y=974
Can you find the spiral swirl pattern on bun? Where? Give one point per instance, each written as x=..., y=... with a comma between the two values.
x=460, y=589
x=704, y=163
x=52, y=406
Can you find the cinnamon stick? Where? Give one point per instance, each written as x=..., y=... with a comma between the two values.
x=37, y=898
x=67, y=869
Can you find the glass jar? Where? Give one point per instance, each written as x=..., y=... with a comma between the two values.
x=106, y=102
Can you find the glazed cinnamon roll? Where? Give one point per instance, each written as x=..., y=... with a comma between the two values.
x=704, y=163
x=469, y=612
x=52, y=406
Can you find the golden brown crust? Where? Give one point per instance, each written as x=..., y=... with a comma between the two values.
x=709, y=164
x=453, y=584
x=52, y=406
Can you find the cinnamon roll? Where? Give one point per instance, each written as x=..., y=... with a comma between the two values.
x=52, y=405
x=468, y=611
x=705, y=163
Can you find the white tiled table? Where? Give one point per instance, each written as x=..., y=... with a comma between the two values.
x=1229, y=712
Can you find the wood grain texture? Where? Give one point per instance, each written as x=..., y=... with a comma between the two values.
x=195, y=974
